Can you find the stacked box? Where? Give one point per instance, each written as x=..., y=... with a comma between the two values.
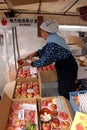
x=18, y=114
x=25, y=73
x=54, y=109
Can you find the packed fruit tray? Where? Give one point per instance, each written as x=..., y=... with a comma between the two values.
x=54, y=114
x=27, y=89
x=27, y=72
x=48, y=67
x=23, y=116
x=78, y=100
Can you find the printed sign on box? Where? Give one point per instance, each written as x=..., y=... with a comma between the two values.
x=79, y=122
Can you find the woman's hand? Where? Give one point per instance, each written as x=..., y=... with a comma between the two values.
x=30, y=56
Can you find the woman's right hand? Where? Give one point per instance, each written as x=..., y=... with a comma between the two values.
x=31, y=55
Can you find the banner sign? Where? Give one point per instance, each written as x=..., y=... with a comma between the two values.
x=18, y=22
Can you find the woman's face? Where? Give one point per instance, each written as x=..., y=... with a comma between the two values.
x=44, y=34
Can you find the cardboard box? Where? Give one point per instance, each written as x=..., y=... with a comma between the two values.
x=10, y=87
x=48, y=76
x=75, y=40
x=33, y=77
x=82, y=72
x=5, y=106
x=27, y=92
x=62, y=106
x=75, y=49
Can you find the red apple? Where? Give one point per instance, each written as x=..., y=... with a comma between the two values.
x=31, y=114
x=65, y=125
x=46, y=126
x=49, y=101
x=10, y=128
x=16, y=122
x=44, y=102
x=20, y=62
x=53, y=107
x=55, y=123
x=63, y=115
x=55, y=113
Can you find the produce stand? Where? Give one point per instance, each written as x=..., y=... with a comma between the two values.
x=44, y=86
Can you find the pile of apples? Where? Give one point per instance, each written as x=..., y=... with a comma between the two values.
x=75, y=98
x=25, y=74
x=21, y=118
x=48, y=67
x=59, y=119
x=26, y=90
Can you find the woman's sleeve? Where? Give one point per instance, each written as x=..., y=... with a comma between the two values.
x=47, y=56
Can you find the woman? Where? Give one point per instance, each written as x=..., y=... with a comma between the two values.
x=56, y=51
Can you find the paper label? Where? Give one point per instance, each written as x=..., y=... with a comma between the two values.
x=30, y=90
x=29, y=106
x=33, y=70
x=21, y=115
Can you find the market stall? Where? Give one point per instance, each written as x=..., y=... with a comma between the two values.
x=29, y=96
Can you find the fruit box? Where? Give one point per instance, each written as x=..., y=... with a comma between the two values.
x=74, y=99
x=6, y=108
x=48, y=76
x=24, y=74
x=52, y=109
x=27, y=89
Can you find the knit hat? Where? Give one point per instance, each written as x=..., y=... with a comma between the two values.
x=49, y=26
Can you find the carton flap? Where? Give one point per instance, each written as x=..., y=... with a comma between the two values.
x=9, y=89
x=4, y=110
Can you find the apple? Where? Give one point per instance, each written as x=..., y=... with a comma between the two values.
x=35, y=88
x=29, y=86
x=55, y=123
x=9, y=122
x=46, y=126
x=15, y=106
x=63, y=115
x=65, y=125
x=20, y=62
x=35, y=84
x=30, y=95
x=23, y=95
x=44, y=102
x=53, y=107
x=75, y=97
x=49, y=101
x=16, y=122
x=55, y=113
x=17, y=95
x=31, y=114
x=10, y=128
x=23, y=92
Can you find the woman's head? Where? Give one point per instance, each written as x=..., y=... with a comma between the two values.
x=48, y=27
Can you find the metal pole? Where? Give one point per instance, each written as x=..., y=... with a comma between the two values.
x=17, y=43
x=14, y=47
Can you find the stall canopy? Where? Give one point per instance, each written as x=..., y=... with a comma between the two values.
x=64, y=11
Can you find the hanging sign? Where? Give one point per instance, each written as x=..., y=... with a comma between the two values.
x=19, y=22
